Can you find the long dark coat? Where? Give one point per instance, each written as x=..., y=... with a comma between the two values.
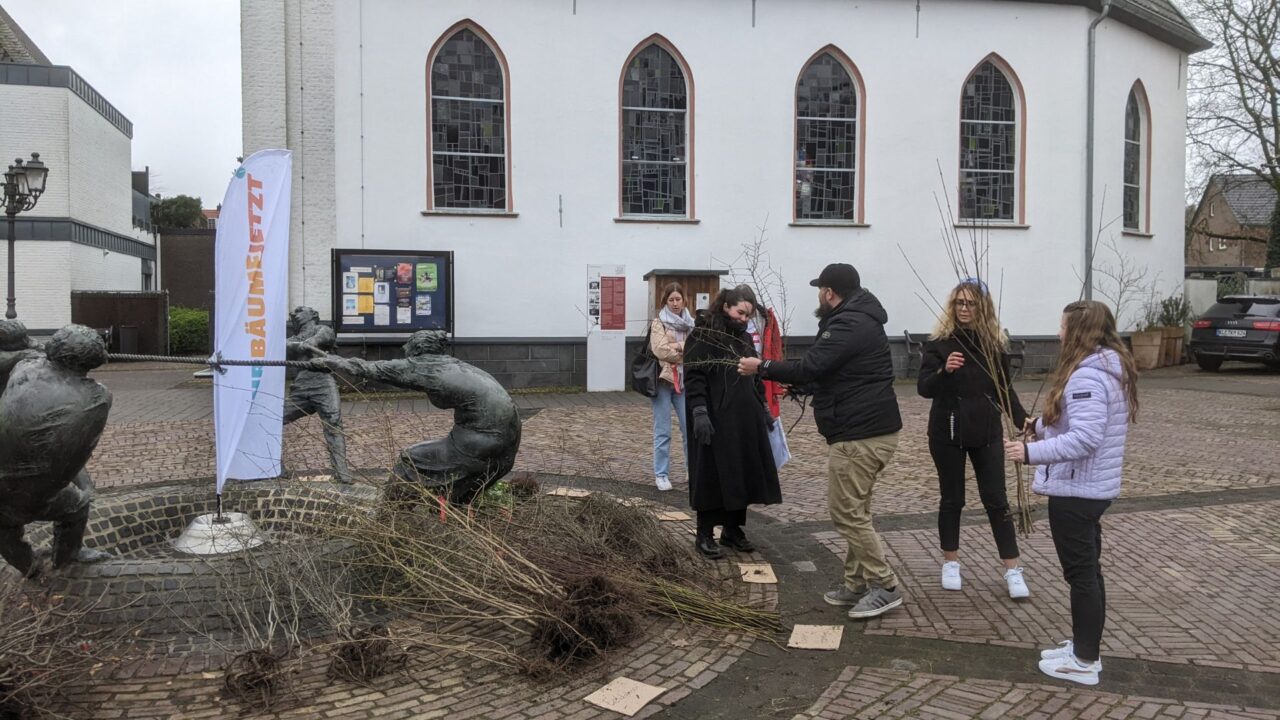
x=737, y=469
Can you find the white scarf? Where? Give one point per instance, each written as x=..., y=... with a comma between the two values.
x=678, y=326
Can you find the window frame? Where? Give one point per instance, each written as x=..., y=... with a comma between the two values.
x=1138, y=93
x=690, y=215
x=1019, y=218
x=860, y=129
x=509, y=195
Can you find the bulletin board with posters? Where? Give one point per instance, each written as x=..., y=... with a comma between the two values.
x=392, y=291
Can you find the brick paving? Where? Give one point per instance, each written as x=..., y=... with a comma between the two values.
x=1183, y=586
x=440, y=685
x=874, y=693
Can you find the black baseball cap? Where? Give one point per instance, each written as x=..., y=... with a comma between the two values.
x=840, y=277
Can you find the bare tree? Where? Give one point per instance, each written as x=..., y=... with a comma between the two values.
x=1234, y=94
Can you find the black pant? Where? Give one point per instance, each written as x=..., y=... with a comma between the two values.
x=1076, y=526
x=731, y=520
x=988, y=465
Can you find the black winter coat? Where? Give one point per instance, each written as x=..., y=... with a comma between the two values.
x=966, y=407
x=737, y=468
x=849, y=371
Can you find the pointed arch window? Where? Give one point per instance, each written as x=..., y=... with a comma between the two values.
x=1136, y=160
x=657, y=134
x=470, y=151
x=828, y=135
x=991, y=134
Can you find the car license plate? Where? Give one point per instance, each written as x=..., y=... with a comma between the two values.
x=1231, y=333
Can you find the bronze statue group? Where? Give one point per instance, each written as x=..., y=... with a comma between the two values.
x=714, y=375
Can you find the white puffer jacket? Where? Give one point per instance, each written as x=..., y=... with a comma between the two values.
x=1082, y=454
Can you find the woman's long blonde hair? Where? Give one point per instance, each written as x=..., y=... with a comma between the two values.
x=1089, y=325
x=986, y=323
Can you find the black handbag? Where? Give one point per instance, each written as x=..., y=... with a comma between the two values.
x=645, y=368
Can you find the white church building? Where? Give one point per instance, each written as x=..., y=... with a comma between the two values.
x=534, y=138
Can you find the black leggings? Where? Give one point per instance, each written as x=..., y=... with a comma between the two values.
x=1076, y=526
x=731, y=520
x=988, y=465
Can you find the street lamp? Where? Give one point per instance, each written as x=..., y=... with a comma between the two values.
x=23, y=185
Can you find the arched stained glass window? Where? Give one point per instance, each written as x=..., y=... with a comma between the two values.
x=469, y=152
x=826, y=151
x=1135, y=146
x=655, y=135
x=989, y=133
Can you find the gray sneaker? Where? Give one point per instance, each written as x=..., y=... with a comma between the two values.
x=877, y=601
x=843, y=596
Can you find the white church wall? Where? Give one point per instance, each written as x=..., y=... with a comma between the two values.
x=523, y=276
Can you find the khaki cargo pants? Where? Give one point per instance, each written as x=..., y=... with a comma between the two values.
x=852, y=469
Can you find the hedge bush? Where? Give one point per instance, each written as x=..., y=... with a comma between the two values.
x=188, y=331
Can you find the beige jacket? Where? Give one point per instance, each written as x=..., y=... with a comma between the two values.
x=669, y=352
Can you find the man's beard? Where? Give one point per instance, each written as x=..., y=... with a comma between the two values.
x=822, y=311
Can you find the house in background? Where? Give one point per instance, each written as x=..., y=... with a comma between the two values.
x=211, y=217
x=1230, y=226
x=91, y=230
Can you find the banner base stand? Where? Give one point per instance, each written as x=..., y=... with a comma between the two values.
x=214, y=535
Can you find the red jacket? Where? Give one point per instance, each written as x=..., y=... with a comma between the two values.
x=771, y=349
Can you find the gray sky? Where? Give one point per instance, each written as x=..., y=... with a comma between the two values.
x=171, y=66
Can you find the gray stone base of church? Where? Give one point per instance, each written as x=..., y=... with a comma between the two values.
x=562, y=362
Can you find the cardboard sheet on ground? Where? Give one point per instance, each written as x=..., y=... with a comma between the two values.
x=624, y=695
x=758, y=573
x=816, y=637
x=569, y=492
x=673, y=516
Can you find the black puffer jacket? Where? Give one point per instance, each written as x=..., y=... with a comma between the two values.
x=849, y=371
x=966, y=407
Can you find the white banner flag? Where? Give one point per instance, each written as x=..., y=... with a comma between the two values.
x=251, y=266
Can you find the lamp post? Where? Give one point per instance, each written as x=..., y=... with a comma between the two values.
x=23, y=185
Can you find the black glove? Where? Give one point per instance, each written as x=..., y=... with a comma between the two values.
x=769, y=420
x=702, y=428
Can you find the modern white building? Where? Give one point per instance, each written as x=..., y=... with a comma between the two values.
x=84, y=233
x=535, y=137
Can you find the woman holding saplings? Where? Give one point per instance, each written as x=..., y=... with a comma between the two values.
x=1078, y=448
x=730, y=461
x=965, y=371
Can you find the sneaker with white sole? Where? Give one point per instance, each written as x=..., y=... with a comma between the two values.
x=1070, y=668
x=1065, y=649
x=951, y=575
x=662, y=482
x=877, y=601
x=1017, y=586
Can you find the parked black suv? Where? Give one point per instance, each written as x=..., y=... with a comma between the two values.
x=1238, y=327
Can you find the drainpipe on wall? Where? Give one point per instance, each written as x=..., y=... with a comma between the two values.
x=1088, y=154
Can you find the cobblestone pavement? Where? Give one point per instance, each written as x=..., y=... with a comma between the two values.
x=873, y=693
x=1192, y=562
x=1164, y=602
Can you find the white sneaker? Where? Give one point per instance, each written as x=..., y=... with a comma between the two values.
x=951, y=575
x=663, y=483
x=1070, y=668
x=1017, y=586
x=1065, y=649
